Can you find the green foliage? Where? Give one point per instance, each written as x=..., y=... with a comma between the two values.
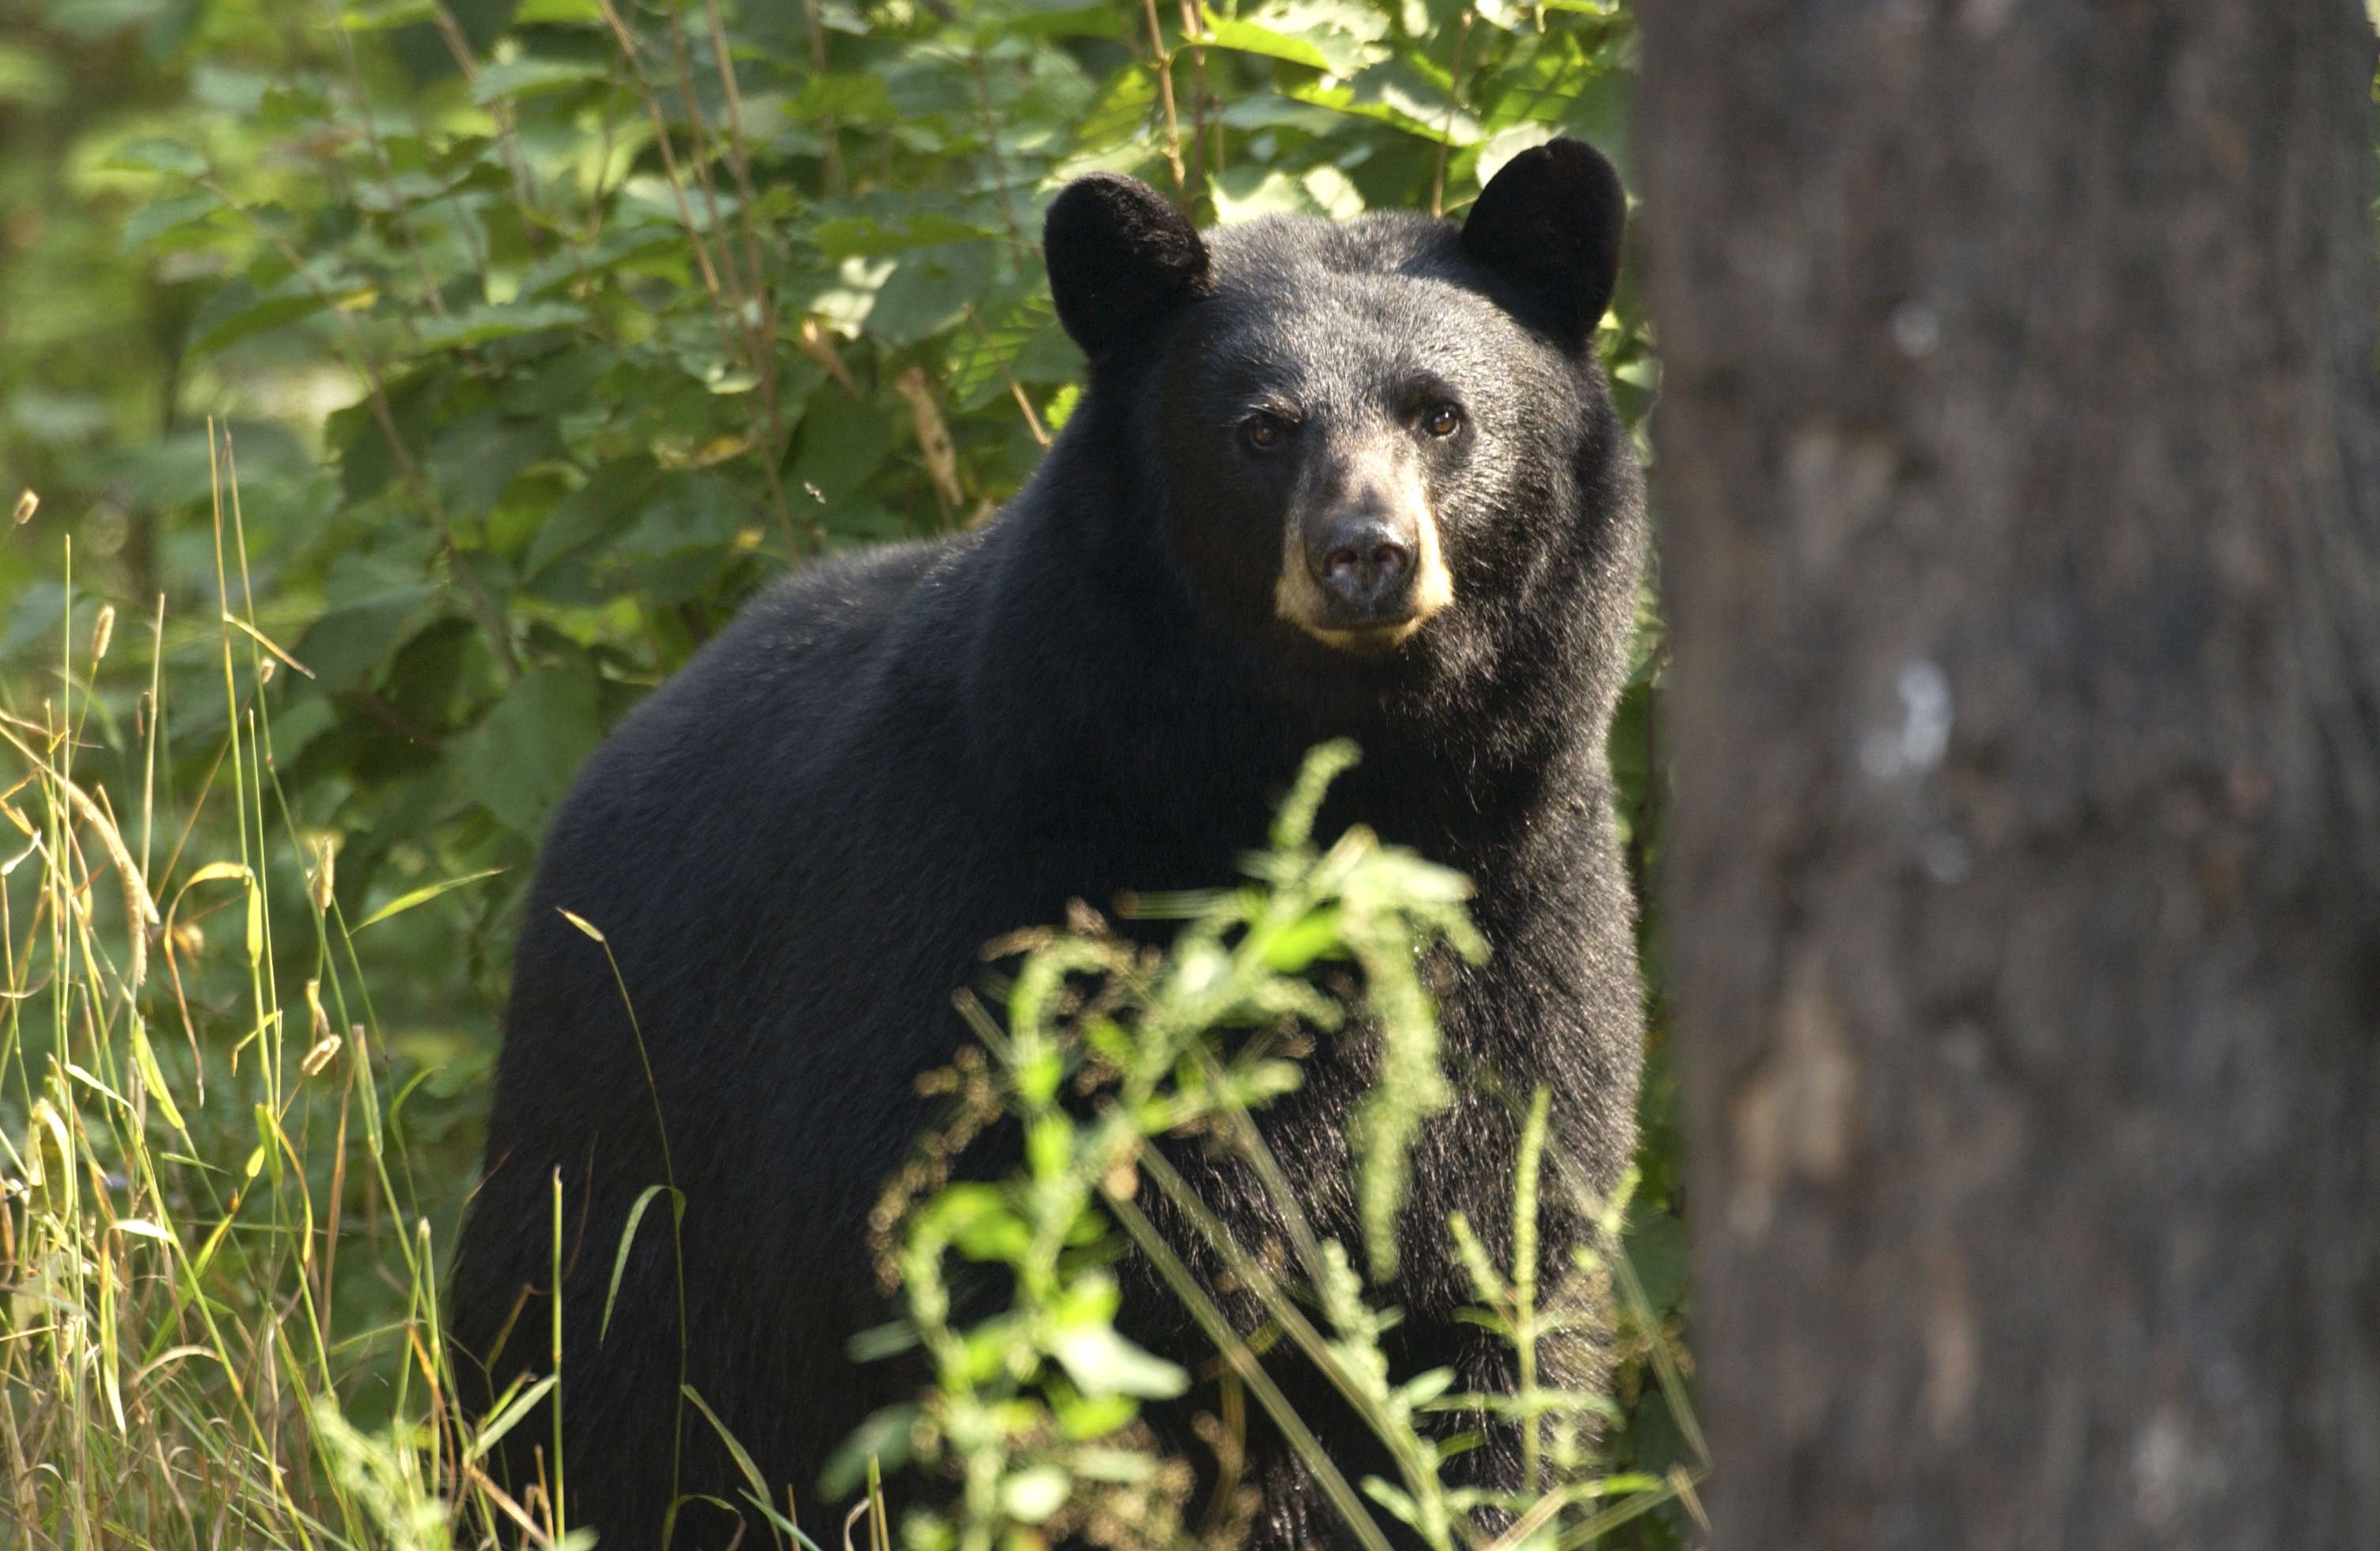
x=411, y=387
x=1110, y=1046
x=602, y=315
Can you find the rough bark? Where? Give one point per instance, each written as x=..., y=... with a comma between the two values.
x=2019, y=460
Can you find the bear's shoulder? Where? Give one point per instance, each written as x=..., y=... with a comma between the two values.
x=760, y=700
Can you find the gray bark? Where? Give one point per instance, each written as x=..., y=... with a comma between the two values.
x=2020, y=467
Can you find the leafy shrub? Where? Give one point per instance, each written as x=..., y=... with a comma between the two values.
x=1108, y=1047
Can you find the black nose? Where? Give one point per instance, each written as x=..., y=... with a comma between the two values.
x=1362, y=562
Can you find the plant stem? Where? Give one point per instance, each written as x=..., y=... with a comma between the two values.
x=1454, y=102
x=1164, y=66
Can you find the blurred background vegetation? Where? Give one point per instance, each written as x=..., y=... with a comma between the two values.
x=412, y=386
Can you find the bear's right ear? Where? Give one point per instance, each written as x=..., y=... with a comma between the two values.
x=1552, y=218
x=1120, y=259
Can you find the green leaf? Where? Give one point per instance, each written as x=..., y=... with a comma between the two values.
x=158, y=217
x=1338, y=36
x=154, y=1076
x=566, y=381
x=528, y=75
x=1122, y=113
x=863, y=236
x=1303, y=941
x=752, y=1475
x=1397, y=94
x=1396, y=1499
x=842, y=439
x=994, y=1238
x=1655, y=1246
x=483, y=324
x=1086, y=1416
x=691, y=510
x=520, y=761
x=347, y=643
x=1022, y=340
x=880, y=1341
x=380, y=16
x=1505, y=144
x=1030, y=1497
x=856, y=98
x=1100, y=1362
x=1248, y=191
x=29, y=79
x=476, y=458
x=1246, y=37
x=1266, y=110
x=240, y=311
x=599, y=509
x=929, y=291
x=170, y=157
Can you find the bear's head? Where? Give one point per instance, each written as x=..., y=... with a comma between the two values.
x=1379, y=445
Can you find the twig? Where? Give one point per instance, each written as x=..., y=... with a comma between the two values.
x=1032, y=421
x=1197, y=99
x=740, y=163
x=1453, y=102
x=1164, y=63
x=496, y=1495
x=669, y=155
x=735, y=285
x=814, y=343
x=831, y=161
x=933, y=438
x=764, y=326
x=603, y=167
x=387, y=169
x=726, y=305
x=524, y=182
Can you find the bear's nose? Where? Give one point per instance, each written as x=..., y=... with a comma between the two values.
x=1364, y=562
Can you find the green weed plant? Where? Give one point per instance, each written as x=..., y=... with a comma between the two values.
x=1108, y=1047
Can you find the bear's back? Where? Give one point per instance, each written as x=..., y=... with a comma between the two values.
x=704, y=774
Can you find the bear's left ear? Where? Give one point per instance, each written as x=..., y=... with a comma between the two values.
x=1552, y=218
x=1120, y=260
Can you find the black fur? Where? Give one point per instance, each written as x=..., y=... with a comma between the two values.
x=1529, y=222
x=1122, y=259
x=798, y=847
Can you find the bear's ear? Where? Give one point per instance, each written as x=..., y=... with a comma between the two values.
x=1120, y=260
x=1552, y=218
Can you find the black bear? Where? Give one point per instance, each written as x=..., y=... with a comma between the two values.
x=1356, y=480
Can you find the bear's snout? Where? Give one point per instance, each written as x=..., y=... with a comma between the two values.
x=1361, y=566
x=1365, y=561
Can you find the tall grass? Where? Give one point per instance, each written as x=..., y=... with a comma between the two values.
x=222, y=1322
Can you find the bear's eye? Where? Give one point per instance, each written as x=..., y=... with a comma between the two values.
x=1264, y=431
x=1442, y=419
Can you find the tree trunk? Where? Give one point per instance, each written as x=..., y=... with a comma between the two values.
x=2019, y=462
